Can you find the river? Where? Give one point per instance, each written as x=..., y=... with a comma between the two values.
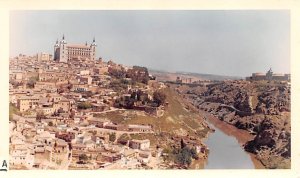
x=225, y=147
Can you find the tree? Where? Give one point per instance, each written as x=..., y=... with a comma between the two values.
x=139, y=94
x=13, y=110
x=88, y=94
x=84, y=105
x=123, y=139
x=112, y=137
x=50, y=124
x=15, y=83
x=118, y=85
x=138, y=74
x=134, y=95
x=72, y=114
x=194, y=153
x=129, y=103
x=117, y=73
x=83, y=158
x=31, y=82
x=70, y=146
x=70, y=86
x=40, y=115
x=124, y=102
x=55, y=113
x=159, y=97
x=184, y=157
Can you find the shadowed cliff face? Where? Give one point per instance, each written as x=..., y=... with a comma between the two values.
x=261, y=108
x=272, y=143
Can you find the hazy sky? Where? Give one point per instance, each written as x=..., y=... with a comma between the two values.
x=233, y=43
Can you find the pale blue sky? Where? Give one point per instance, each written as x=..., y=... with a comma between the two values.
x=233, y=43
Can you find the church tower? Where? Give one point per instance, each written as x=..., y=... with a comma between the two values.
x=269, y=74
x=56, y=51
x=93, y=50
x=63, y=56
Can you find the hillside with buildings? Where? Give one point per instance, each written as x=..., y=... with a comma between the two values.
x=73, y=111
x=70, y=111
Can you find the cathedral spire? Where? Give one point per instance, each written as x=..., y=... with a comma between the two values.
x=63, y=36
x=94, y=40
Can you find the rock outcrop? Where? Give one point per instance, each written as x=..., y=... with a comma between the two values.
x=262, y=108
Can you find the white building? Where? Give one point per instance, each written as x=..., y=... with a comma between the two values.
x=140, y=144
x=21, y=156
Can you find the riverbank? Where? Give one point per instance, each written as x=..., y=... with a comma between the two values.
x=231, y=132
x=260, y=108
x=242, y=136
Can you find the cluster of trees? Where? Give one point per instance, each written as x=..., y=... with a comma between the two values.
x=182, y=156
x=117, y=73
x=65, y=88
x=119, y=84
x=32, y=81
x=138, y=74
x=50, y=124
x=13, y=110
x=112, y=137
x=40, y=116
x=87, y=94
x=123, y=139
x=141, y=96
x=159, y=97
x=84, y=105
x=83, y=158
x=15, y=83
x=124, y=102
x=128, y=102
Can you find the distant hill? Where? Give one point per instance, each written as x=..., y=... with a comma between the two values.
x=171, y=76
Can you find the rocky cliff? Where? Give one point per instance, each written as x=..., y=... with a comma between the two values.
x=262, y=108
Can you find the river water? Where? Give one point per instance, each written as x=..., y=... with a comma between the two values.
x=225, y=147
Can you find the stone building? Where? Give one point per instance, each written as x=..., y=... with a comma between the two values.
x=270, y=76
x=64, y=52
x=139, y=144
x=25, y=103
x=44, y=57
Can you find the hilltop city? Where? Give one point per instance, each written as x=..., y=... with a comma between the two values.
x=72, y=110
